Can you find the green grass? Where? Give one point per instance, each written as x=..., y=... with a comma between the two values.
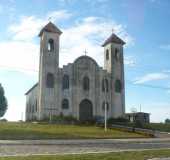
x=135, y=155
x=11, y=130
x=158, y=126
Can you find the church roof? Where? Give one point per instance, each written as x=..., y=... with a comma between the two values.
x=87, y=58
x=113, y=38
x=50, y=27
x=31, y=88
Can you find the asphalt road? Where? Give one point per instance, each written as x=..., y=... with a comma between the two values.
x=36, y=147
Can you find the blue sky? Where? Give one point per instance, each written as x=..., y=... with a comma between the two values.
x=144, y=25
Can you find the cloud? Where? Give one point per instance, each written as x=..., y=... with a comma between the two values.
x=21, y=53
x=129, y=61
x=29, y=27
x=151, y=77
x=165, y=47
x=88, y=33
x=159, y=111
x=19, y=56
x=16, y=111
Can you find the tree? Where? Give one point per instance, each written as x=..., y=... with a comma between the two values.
x=3, y=102
x=167, y=121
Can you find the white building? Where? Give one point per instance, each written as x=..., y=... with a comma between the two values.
x=81, y=88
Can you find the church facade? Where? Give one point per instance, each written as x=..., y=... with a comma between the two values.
x=81, y=89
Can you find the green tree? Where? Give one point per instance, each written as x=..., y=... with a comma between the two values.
x=167, y=121
x=3, y=102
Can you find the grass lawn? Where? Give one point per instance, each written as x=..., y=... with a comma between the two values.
x=11, y=130
x=138, y=155
x=158, y=126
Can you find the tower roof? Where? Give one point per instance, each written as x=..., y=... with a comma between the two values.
x=113, y=38
x=50, y=27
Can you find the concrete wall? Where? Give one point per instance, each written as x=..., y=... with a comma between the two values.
x=49, y=62
x=115, y=66
x=32, y=104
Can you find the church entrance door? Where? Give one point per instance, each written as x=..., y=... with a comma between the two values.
x=85, y=110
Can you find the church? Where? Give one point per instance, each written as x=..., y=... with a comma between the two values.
x=81, y=89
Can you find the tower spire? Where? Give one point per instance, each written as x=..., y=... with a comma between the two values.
x=50, y=27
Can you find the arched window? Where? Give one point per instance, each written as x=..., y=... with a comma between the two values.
x=118, y=86
x=32, y=109
x=116, y=54
x=107, y=54
x=65, y=104
x=86, y=83
x=105, y=85
x=36, y=106
x=50, y=45
x=50, y=80
x=107, y=106
x=65, y=82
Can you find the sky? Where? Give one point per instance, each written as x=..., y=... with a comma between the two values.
x=86, y=24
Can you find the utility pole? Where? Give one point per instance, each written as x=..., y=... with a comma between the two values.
x=105, y=115
x=50, y=116
x=105, y=107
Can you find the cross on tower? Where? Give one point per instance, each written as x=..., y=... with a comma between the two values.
x=85, y=52
x=112, y=30
x=49, y=19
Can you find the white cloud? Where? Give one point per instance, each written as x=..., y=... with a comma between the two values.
x=151, y=77
x=165, y=47
x=159, y=111
x=129, y=61
x=89, y=34
x=21, y=53
x=15, y=111
x=19, y=56
x=58, y=15
x=29, y=27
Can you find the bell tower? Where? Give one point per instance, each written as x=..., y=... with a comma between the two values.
x=114, y=65
x=48, y=68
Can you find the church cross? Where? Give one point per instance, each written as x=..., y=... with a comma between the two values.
x=85, y=52
x=49, y=19
x=112, y=30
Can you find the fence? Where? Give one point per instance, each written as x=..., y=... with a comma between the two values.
x=133, y=129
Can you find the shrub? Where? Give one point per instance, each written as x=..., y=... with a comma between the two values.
x=3, y=120
x=119, y=120
x=138, y=124
x=64, y=119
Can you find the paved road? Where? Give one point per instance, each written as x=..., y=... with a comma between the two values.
x=162, y=134
x=160, y=159
x=33, y=147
